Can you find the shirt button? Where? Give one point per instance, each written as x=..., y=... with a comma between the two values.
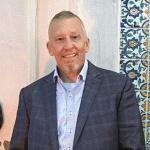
x=69, y=148
x=70, y=130
x=70, y=113
x=70, y=94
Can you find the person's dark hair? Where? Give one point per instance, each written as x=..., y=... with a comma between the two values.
x=65, y=15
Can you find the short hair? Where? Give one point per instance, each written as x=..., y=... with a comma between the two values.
x=65, y=15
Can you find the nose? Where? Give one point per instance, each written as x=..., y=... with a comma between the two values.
x=68, y=44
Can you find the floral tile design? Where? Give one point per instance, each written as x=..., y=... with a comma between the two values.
x=135, y=13
x=142, y=101
x=148, y=108
x=148, y=129
x=147, y=139
x=137, y=70
x=148, y=117
x=144, y=130
x=134, y=44
x=135, y=54
x=143, y=106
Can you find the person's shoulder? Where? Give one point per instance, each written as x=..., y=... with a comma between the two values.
x=107, y=74
x=39, y=83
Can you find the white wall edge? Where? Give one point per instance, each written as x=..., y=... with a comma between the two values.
x=32, y=26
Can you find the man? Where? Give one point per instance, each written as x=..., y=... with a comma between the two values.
x=78, y=106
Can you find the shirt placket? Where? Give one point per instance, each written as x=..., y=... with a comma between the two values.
x=70, y=118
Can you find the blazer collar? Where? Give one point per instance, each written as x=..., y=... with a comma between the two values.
x=49, y=101
x=93, y=70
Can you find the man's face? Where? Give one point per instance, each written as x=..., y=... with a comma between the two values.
x=68, y=44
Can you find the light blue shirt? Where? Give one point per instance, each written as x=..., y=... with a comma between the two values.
x=68, y=98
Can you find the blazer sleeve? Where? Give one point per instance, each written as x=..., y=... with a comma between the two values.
x=19, y=138
x=129, y=120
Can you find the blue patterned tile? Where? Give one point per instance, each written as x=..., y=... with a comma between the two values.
x=148, y=108
x=134, y=44
x=147, y=127
x=137, y=70
x=148, y=76
x=147, y=139
x=144, y=130
x=142, y=101
x=148, y=130
x=135, y=13
x=135, y=54
x=148, y=120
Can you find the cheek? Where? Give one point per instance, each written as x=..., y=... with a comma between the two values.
x=80, y=47
x=83, y=50
x=56, y=50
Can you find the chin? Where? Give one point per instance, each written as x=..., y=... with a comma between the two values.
x=70, y=68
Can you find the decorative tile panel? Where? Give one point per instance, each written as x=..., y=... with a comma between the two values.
x=134, y=44
x=137, y=70
x=144, y=130
x=147, y=140
x=135, y=54
x=142, y=101
x=135, y=13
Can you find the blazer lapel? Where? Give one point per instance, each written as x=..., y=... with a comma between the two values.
x=50, y=110
x=90, y=90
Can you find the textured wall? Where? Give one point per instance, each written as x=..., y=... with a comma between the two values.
x=14, y=61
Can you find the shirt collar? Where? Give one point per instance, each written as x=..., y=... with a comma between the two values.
x=82, y=74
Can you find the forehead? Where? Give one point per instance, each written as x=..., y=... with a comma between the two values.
x=66, y=25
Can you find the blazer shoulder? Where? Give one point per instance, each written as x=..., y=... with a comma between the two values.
x=39, y=83
x=106, y=74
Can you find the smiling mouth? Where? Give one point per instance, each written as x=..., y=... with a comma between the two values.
x=70, y=56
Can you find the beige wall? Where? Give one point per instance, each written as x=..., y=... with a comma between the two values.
x=14, y=60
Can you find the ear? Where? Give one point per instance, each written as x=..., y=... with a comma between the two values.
x=87, y=46
x=49, y=48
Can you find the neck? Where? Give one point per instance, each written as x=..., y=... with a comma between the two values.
x=68, y=77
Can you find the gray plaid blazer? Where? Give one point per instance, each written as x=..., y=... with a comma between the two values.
x=108, y=118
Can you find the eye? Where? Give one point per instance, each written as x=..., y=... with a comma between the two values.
x=74, y=37
x=60, y=39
